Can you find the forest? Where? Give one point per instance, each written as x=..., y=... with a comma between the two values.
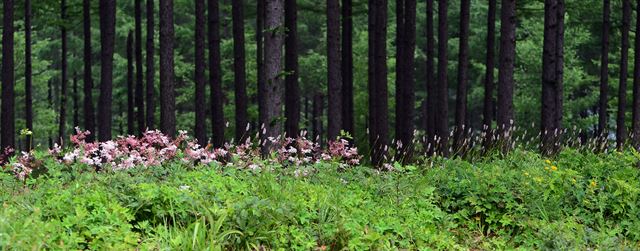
x=315, y=125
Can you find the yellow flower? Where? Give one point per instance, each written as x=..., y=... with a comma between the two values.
x=573, y=180
x=554, y=168
x=593, y=184
x=548, y=162
x=546, y=168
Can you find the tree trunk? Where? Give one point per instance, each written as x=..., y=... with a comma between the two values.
x=89, y=116
x=215, y=77
x=150, y=88
x=63, y=74
x=488, y=80
x=28, y=85
x=347, y=67
x=8, y=97
x=139, y=92
x=130, y=96
x=550, y=82
x=405, y=97
x=442, y=97
x=107, y=40
x=334, y=80
x=76, y=106
x=378, y=103
x=239, y=77
x=505, y=76
x=273, y=67
x=604, y=71
x=621, y=133
x=292, y=90
x=560, y=66
x=430, y=81
x=463, y=78
x=260, y=12
x=50, y=105
x=167, y=86
x=316, y=124
x=636, y=85
x=200, y=102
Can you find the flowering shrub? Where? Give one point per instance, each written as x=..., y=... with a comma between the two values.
x=154, y=148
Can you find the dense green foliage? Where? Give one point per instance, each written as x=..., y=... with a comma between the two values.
x=576, y=202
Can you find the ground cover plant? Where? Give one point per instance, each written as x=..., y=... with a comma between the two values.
x=112, y=195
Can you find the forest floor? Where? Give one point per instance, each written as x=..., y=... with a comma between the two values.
x=576, y=201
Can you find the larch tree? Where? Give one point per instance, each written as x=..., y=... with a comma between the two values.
x=506, y=63
x=130, y=86
x=167, y=85
x=260, y=12
x=107, y=40
x=621, y=132
x=551, y=78
x=347, y=67
x=239, y=74
x=489, y=103
x=405, y=94
x=273, y=43
x=292, y=90
x=378, y=103
x=76, y=105
x=215, y=76
x=89, y=115
x=441, y=89
x=200, y=100
x=139, y=89
x=635, y=129
x=7, y=114
x=62, y=122
x=334, y=78
x=28, y=81
x=150, y=88
x=604, y=71
x=463, y=77
x=430, y=81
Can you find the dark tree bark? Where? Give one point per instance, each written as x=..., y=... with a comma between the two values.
x=551, y=83
x=239, y=74
x=28, y=85
x=150, y=88
x=334, y=79
x=636, y=85
x=139, y=92
x=316, y=117
x=560, y=65
x=130, y=95
x=7, y=119
x=463, y=77
x=441, y=90
x=200, y=102
x=274, y=15
x=167, y=85
x=405, y=97
x=50, y=106
x=604, y=71
x=621, y=132
x=260, y=12
x=347, y=67
x=107, y=40
x=62, y=123
x=292, y=90
x=378, y=103
x=430, y=81
x=76, y=105
x=506, y=67
x=215, y=77
x=488, y=110
x=89, y=116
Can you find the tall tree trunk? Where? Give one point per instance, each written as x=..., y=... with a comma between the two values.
x=506, y=67
x=442, y=97
x=334, y=80
x=130, y=95
x=89, y=115
x=604, y=71
x=430, y=81
x=488, y=110
x=50, y=105
x=463, y=77
x=621, y=132
x=200, y=102
x=316, y=117
x=167, y=86
x=239, y=77
x=150, y=88
x=139, y=93
x=260, y=12
x=378, y=103
x=560, y=66
x=550, y=80
x=347, y=67
x=107, y=40
x=273, y=67
x=215, y=77
x=76, y=106
x=636, y=84
x=7, y=128
x=292, y=91
x=405, y=97
x=63, y=74
x=28, y=87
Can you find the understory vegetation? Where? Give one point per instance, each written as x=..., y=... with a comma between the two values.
x=575, y=201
